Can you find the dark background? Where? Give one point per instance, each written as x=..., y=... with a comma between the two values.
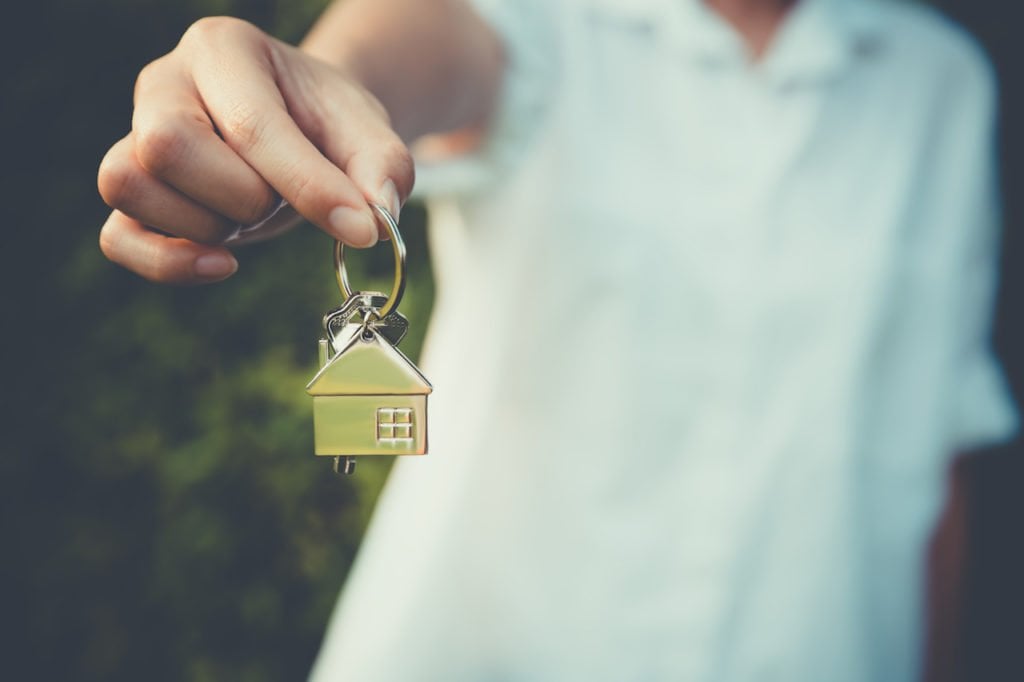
x=162, y=515
x=993, y=481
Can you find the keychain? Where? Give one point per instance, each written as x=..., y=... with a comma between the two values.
x=368, y=398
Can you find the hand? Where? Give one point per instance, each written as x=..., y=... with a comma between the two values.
x=224, y=125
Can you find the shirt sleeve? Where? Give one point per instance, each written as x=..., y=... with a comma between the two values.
x=983, y=409
x=528, y=30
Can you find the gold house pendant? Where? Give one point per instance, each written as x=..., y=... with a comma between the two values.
x=368, y=399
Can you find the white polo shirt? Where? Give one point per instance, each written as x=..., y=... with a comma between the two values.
x=707, y=334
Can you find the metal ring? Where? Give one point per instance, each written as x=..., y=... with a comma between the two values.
x=397, y=245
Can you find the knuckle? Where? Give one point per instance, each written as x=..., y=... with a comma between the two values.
x=243, y=126
x=302, y=190
x=117, y=180
x=211, y=30
x=147, y=76
x=161, y=147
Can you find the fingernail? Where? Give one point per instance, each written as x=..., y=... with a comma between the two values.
x=387, y=196
x=353, y=226
x=215, y=265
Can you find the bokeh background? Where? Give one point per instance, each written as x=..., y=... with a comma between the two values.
x=163, y=517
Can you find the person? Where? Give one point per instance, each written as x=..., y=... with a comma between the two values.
x=714, y=290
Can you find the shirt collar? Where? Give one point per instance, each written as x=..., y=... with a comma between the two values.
x=818, y=40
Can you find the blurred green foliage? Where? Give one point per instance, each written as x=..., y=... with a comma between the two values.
x=163, y=515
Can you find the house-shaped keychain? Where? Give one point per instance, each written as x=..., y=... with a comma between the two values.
x=368, y=398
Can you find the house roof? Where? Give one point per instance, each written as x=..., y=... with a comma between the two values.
x=369, y=367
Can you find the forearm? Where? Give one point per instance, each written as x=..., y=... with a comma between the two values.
x=435, y=66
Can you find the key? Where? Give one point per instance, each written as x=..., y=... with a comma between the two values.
x=393, y=327
x=368, y=397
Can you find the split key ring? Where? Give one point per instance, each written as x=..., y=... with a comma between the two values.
x=397, y=245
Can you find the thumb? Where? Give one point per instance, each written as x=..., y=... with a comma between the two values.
x=383, y=171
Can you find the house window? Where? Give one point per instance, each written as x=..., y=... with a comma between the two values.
x=394, y=424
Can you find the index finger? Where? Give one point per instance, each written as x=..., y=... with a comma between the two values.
x=246, y=105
